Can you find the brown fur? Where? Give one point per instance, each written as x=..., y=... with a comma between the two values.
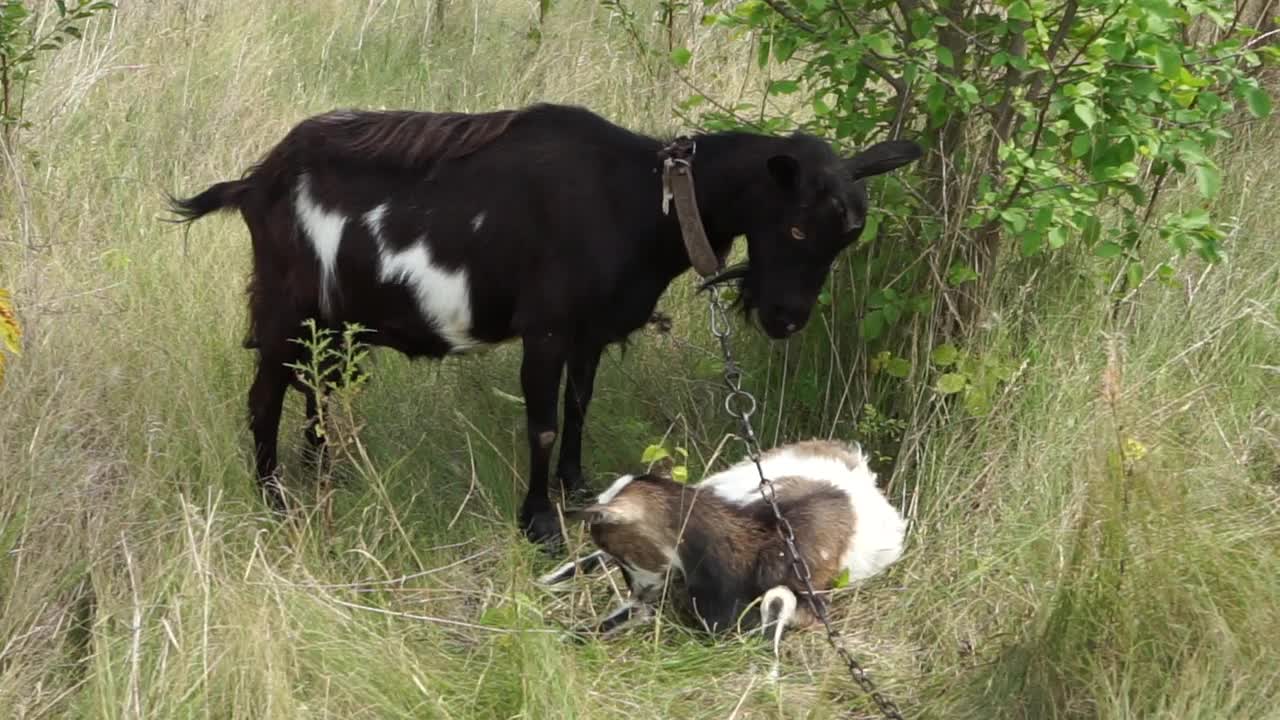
x=401, y=138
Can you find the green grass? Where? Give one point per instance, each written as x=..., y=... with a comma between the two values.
x=1105, y=544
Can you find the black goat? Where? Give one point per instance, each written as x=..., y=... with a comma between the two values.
x=445, y=232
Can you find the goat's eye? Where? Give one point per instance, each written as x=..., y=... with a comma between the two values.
x=797, y=233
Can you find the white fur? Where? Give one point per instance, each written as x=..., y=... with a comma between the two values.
x=443, y=295
x=324, y=230
x=645, y=582
x=612, y=492
x=878, y=530
x=477, y=222
x=373, y=220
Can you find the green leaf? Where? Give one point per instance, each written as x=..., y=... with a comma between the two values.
x=944, y=355
x=842, y=579
x=1168, y=60
x=1134, y=274
x=681, y=56
x=1258, y=100
x=961, y=274
x=783, y=87
x=1108, y=250
x=820, y=107
x=951, y=383
x=1016, y=218
x=872, y=325
x=1057, y=237
x=869, y=229
x=1209, y=180
x=1080, y=145
x=783, y=47
x=1092, y=228
x=1085, y=112
x=945, y=58
x=654, y=453
x=1197, y=219
x=680, y=474
x=891, y=313
x=967, y=92
x=1019, y=10
x=1031, y=243
x=762, y=52
x=899, y=367
x=881, y=44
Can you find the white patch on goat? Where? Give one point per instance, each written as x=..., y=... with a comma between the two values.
x=443, y=295
x=477, y=222
x=609, y=494
x=878, y=529
x=324, y=230
x=373, y=219
x=740, y=484
x=645, y=583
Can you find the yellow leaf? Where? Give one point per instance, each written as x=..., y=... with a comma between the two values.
x=10, y=330
x=1134, y=449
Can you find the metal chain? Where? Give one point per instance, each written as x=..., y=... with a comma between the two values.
x=741, y=404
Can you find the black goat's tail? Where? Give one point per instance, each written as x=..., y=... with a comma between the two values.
x=219, y=196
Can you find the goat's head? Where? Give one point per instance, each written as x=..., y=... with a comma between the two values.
x=814, y=207
x=633, y=523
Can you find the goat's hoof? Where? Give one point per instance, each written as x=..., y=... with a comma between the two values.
x=576, y=491
x=541, y=527
x=571, y=480
x=273, y=491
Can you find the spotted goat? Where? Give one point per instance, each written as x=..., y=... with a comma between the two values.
x=443, y=233
x=718, y=539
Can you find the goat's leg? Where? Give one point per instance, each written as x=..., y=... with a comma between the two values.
x=266, y=399
x=631, y=611
x=595, y=562
x=578, y=387
x=540, y=371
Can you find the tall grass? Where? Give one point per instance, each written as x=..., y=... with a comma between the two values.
x=1104, y=544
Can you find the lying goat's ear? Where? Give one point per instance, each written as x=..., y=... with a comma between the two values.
x=597, y=514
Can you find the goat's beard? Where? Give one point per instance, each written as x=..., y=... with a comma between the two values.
x=744, y=301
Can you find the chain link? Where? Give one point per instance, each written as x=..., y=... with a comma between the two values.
x=741, y=405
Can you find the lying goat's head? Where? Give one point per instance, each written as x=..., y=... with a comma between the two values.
x=637, y=523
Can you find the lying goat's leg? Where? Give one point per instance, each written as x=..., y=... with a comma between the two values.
x=629, y=612
x=595, y=562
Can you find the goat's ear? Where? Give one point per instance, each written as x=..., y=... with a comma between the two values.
x=882, y=158
x=785, y=170
x=597, y=514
